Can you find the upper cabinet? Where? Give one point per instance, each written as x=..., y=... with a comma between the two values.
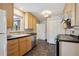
x=73, y=12
x=9, y=9
x=30, y=21
x=77, y=14
x=34, y=23
x=69, y=13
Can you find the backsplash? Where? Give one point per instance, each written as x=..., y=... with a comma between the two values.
x=74, y=31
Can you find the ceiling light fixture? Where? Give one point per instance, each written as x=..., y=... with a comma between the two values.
x=46, y=13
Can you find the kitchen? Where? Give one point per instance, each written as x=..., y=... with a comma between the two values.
x=15, y=30
x=23, y=26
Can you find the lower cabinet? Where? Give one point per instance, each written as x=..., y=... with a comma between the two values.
x=12, y=48
x=19, y=46
x=68, y=48
x=22, y=46
x=28, y=44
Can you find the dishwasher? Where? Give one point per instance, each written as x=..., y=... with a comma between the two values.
x=33, y=41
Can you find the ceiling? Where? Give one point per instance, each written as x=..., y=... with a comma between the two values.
x=37, y=8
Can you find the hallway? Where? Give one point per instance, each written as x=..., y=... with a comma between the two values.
x=42, y=49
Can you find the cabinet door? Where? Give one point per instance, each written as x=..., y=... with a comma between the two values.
x=30, y=21
x=69, y=12
x=22, y=46
x=28, y=43
x=9, y=9
x=25, y=44
x=68, y=49
x=73, y=20
x=12, y=48
x=26, y=20
x=77, y=14
x=34, y=24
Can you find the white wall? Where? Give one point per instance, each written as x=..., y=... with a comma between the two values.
x=58, y=27
x=54, y=27
x=41, y=31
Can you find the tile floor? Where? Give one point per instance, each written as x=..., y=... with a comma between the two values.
x=42, y=49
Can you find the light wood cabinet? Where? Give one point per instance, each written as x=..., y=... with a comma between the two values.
x=73, y=12
x=77, y=14
x=34, y=24
x=30, y=21
x=8, y=7
x=67, y=8
x=22, y=46
x=19, y=46
x=28, y=44
x=25, y=44
x=69, y=12
x=12, y=48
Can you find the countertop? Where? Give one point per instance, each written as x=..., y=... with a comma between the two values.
x=67, y=38
x=15, y=36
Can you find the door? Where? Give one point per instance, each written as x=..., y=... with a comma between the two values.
x=41, y=31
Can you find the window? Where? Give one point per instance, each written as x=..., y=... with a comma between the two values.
x=17, y=21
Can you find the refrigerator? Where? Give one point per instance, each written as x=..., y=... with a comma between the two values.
x=3, y=33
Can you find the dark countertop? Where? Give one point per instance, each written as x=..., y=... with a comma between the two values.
x=20, y=36
x=67, y=38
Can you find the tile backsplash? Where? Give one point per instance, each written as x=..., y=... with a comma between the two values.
x=73, y=31
x=76, y=29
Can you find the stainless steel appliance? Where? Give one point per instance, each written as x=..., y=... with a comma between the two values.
x=3, y=33
x=33, y=41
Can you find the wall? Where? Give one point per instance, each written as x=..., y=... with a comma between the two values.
x=53, y=23
x=54, y=27
x=41, y=31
